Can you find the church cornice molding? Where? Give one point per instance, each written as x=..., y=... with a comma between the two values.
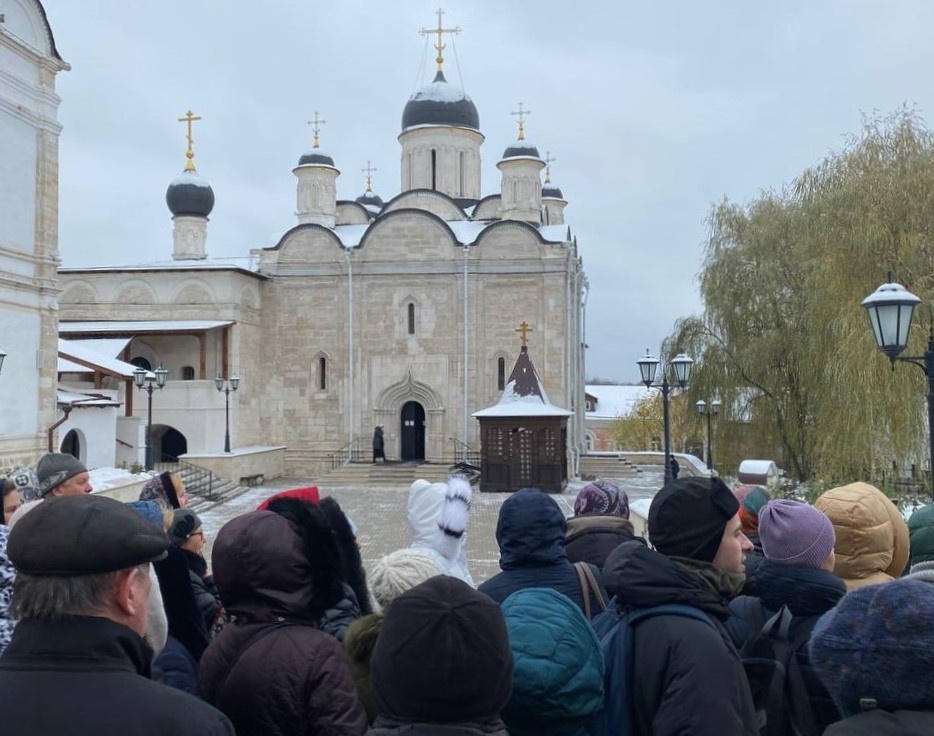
x=515, y=225
x=408, y=212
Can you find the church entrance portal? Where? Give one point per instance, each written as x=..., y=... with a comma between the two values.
x=413, y=431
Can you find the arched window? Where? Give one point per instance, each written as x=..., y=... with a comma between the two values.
x=140, y=362
x=463, y=175
x=322, y=374
x=188, y=373
x=411, y=318
x=501, y=374
x=434, y=169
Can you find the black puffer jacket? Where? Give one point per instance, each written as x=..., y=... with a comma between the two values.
x=807, y=593
x=90, y=675
x=882, y=723
x=272, y=671
x=530, y=533
x=202, y=585
x=689, y=679
x=591, y=537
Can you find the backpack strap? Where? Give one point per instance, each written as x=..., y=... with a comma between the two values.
x=594, y=586
x=585, y=587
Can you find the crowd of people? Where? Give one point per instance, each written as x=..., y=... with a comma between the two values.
x=740, y=614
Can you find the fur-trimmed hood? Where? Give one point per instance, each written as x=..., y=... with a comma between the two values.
x=438, y=516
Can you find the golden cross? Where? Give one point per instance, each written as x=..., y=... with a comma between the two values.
x=521, y=114
x=189, y=118
x=316, y=124
x=440, y=30
x=369, y=176
x=548, y=162
x=524, y=331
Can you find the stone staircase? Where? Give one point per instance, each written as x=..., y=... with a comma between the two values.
x=205, y=490
x=389, y=475
x=606, y=466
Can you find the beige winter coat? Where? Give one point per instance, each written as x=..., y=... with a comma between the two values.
x=872, y=537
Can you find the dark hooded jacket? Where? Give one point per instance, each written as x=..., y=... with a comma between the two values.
x=273, y=671
x=808, y=593
x=689, y=677
x=530, y=533
x=90, y=675
x=883, y=723
x=591, y=537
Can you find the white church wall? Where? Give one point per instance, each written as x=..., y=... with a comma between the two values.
x=97, y=434
x=407, y=237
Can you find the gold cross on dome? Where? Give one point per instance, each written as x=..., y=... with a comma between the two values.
x=440, y=30
x=369, y=176
x=316, y=124
x=524, y=331
x=548, y=162
x=521, y=114
x=189, y=118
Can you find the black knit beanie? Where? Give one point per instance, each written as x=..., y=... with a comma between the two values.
x=442, y=656
x=687, y=517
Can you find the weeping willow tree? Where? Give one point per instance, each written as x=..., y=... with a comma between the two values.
x=782, y=335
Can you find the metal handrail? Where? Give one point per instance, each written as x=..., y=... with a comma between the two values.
x=349, y=453
x=464, y=453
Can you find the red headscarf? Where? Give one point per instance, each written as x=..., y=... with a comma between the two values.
x=309, y=495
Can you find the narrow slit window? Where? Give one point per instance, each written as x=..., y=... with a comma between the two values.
x=322, y=374
x=411, y=318
x=463, y=175
x=501, y=374
x=434, y=169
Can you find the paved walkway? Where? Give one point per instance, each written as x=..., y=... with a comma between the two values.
x=379, y=514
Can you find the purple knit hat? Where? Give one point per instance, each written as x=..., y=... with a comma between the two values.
x=602, y=497
x=795, y=533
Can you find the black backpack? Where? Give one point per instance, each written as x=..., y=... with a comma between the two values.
x=783, y=706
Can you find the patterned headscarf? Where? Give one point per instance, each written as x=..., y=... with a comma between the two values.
x=602, y=497
x=162, y=489
x=751, y=500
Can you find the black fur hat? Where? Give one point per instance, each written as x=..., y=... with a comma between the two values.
x=352, y=571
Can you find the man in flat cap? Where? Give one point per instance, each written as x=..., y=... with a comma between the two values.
x=696, y=683
x=78, y=662
x=61, y=474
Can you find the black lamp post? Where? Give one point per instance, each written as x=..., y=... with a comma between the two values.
x=144, y=380
x=683, y=365
x=231, y=385
x=890, y=309
x=710, y=412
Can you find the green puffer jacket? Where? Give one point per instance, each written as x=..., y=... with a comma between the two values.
x=359, y=642
x=558, y=674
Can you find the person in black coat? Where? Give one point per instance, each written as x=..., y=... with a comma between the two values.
x=378, y=444
x=187, y=533
x=65, y=657
x=530, y=533
x=797, y=572
x=690, y=678
x=600, y=523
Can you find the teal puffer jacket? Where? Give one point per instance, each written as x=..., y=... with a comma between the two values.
x=558, y=673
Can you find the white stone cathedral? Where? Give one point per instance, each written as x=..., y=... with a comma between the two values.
x=399, y=313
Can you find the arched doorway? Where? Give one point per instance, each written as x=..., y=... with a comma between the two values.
x=71, y=445
x=168, y=445
x=413, y=431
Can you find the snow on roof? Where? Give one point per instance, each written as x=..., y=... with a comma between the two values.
x=615, y=401
x=189, y=177
x=100, y=361
x=238, y=263
x=467, y=231
x=351, y=235
x=66, y=366
x=758, y=467
x=440, y=91
x=109, y=346
x=69, y=397
x=554, y=233
x=134, y=328
x=513, y=405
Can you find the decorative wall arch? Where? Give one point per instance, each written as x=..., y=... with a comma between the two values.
x=249, y=297
x=80, y=292
x=136, y=291
x=393, y=397
x=194, y=291
x=429, y=200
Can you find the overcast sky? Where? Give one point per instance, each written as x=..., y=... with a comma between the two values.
x=654, y=111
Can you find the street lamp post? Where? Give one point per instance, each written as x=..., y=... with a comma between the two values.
x=226, y=388
x=710, y=412
x=683, y=365
x=890, y=309
x=149, y=382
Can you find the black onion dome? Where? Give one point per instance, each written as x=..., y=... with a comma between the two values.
x=316, y=156
x=550, y=190
x=369, y=198
x=521, y=148
x=189, y=194
x=440, y=103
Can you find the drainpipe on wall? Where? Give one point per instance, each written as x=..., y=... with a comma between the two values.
x=59, y=423
x=464, y=437
x=350, y=347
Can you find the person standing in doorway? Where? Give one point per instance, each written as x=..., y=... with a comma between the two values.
x=378, y=452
